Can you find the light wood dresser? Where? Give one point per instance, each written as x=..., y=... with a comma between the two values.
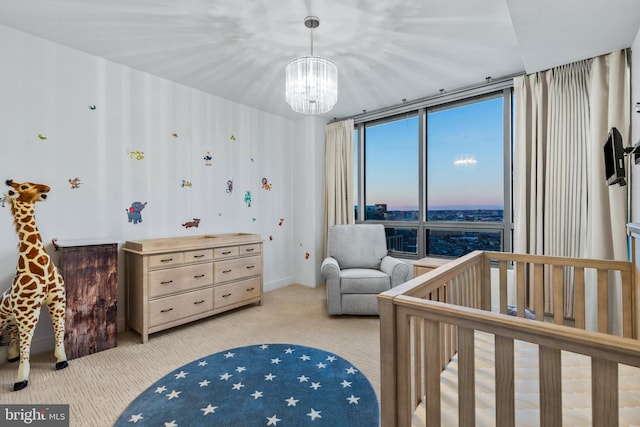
x=172, y=281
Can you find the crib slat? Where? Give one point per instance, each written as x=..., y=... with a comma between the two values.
x=578, y=297
x=432, y=372
x=503, y=287
x=550, y=374
x=466, y=378
x=603, y=298
x=504, y=368
x=416, y=337
x=403, y=370
x=627, y=306
x=558, y=294
x=604, y=393
x=520, y=288
x=538, y=280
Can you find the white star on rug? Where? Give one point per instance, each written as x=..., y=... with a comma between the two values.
x=303, y=379
x=345, y=383
x=256, y=395
x=160, y=389
x=264, y=347
x=351, y=370
x=269, y=377
x=331, y=358
x=275, y=361
x=321, y=365
x=174, y=395
x=291, y=401
x=225, y=376
x=204, y=383
x=171, y=424
x=181, y=374
x=304, y=357
x=203, y=363
x=315, y=386
x=240, y=369
x=135, y=418
x=238, y=386
x=289, y=350
x=352, y=399
x=229, y=354
x=272, y=421
x=209, y=409
x=314, y=414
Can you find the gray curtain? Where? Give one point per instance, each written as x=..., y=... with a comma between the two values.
x=339, y=169
x=562, y=205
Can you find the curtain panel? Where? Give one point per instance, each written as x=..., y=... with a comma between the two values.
x=562, y=204
x=339, y=170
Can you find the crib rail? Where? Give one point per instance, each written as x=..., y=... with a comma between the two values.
x=429, y=319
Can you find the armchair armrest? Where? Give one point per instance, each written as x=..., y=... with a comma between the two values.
x=398, y=270
x=330, y=268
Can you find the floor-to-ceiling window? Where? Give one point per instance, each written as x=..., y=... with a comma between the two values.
x=439, y=177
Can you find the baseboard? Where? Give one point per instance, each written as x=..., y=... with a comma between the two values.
x=277, y=284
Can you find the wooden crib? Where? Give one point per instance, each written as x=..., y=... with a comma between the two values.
x=435, y=317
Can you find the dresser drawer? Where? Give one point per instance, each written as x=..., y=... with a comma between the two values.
x=226, y=252
x=250, y=249
x=179, y=279
x=198, y=256
x=165, y=310
x=235, y=292
x=165, y=260
x=233, y=269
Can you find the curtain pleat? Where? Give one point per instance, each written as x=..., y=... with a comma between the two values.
x=562, y=205
x=339, y=169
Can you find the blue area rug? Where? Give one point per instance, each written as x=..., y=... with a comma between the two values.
x=262, y=385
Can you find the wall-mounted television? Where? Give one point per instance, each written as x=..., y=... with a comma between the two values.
x=614, y=158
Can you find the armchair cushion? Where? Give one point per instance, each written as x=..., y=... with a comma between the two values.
x=363, y=281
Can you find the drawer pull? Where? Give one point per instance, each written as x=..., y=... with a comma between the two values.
x=166, y=260
x=199, y=277
x=250, y=289
x=226, y=271
x=198, y=302
x=167, y=310
x=249, y=267
x=226, y=295
x=168, y=282
x=249, y=249
x=226, y=253
x=198, y=256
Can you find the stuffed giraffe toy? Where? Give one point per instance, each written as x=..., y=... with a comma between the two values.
x=37, y=281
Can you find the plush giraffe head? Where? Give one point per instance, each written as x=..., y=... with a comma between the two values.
x=26, y=192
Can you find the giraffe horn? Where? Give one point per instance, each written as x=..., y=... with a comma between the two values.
x=9, y=182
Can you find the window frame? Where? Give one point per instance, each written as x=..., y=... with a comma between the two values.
x=503, y=89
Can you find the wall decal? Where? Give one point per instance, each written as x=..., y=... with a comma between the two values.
x=229, y=189
x=175, y=135
x=75, y=183
x=138, y=155
x=232, y=138
x=186, y=184
x=92, y=107
x=306, y=255
x=270, y=238
x=208, y=159
x=247, y=198
x=253, y=219
x=194, y=223
x=42, y=137
x=265, y=184
x=134, y=212
x=280, y=222
x=3, y=200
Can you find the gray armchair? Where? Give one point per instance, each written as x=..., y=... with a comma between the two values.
x=357, y=268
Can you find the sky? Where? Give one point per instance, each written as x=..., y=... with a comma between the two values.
x=464, y=159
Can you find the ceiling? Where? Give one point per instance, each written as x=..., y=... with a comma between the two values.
x=385, y=51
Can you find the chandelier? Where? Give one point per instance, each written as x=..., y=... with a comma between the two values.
x=311, y=81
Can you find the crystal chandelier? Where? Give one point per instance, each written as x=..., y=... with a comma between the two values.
x=311, y=81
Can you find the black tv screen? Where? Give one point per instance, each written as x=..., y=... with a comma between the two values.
x=614, y=158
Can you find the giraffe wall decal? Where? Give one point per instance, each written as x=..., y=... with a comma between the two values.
x=37, y=281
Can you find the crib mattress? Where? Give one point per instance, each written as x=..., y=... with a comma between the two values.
x=576, y=388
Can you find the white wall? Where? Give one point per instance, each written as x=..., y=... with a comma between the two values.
x=47, y=89
x=635, y=127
